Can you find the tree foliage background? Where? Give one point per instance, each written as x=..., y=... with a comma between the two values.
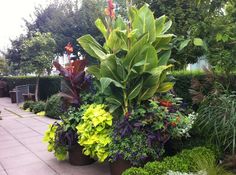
x=212, y=21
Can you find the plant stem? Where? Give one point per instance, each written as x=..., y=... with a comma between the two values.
x=126, y=103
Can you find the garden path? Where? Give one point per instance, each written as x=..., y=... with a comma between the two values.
x=22, y=151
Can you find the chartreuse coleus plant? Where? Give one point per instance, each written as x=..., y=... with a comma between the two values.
x=60, y=151
x=94, y=132
x=133, y=61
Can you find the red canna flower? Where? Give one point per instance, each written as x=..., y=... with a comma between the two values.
x=69, y=48
x=110, y=10
x=165, y=103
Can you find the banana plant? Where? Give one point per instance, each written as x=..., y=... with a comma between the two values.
x=133, y=62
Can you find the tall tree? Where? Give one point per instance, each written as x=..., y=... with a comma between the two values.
x=222, y=40
x=3, y=66
x=37, y=55
x=190, y=19
x=13, y=55
x=67, y=21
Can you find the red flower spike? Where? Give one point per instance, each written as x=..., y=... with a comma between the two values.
x=110, y=10
x=69, y=48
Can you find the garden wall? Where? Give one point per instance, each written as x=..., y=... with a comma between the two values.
x=47, y=85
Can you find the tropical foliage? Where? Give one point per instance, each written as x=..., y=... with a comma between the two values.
x=74, y=77
x=130, y=70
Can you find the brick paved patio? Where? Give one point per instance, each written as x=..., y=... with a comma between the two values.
x=22, y=151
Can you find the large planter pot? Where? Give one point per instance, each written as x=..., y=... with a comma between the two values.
x=76, y=156
x=119, y=166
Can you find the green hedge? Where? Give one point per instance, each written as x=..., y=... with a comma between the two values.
x=186, y=161
x=183, y=82
x=47, y=85
x=51, y=84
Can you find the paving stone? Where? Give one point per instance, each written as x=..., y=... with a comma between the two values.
x=9, y=144
x=41, y=129
x=35, y=147
x=31, y=140
x=1, y=168
x=14, y=151
x=3, y=173
x=39, y=168
x=45, y=155
x=26, y=135
x=19, y=161
x=20, y=130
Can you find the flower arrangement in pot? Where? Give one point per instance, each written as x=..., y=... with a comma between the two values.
x=132, y=72
x=140, y=137
x=62, y=137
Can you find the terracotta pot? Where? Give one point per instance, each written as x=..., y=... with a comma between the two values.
x=119, y=166
x=76, y=156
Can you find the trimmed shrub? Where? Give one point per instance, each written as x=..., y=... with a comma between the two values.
x=28, y=104
x=38, y=107
x=169, y=163
x=135, y=171
x=53, y=107
x=48, y=85
x=185, y=161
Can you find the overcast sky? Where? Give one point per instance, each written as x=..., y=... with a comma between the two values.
x=11, y=14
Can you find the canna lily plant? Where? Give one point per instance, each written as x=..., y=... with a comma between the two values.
x=75, y=78
x=133, y=62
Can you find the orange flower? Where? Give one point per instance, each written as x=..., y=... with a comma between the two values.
x=173, y=124
x=165, y=103
x=69, y=48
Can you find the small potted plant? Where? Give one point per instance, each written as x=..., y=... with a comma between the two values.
x=62, y=138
